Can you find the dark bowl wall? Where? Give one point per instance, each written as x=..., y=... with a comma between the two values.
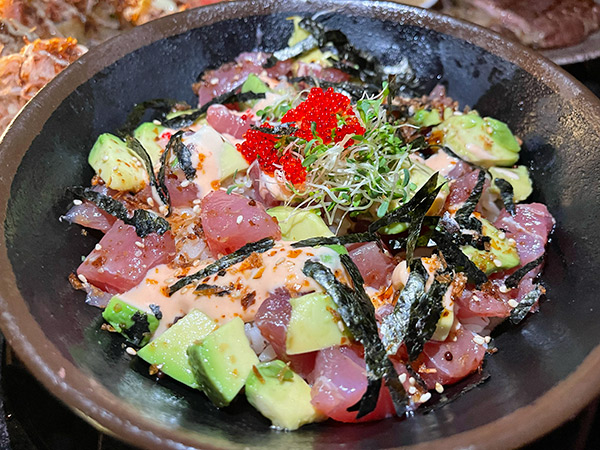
x=58, y=335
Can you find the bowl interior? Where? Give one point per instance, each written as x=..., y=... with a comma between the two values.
x=560, y=129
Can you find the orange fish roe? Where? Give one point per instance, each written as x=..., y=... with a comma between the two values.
x=331, y=114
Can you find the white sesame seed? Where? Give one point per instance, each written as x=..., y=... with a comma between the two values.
x=163, y=209
x=185, y=183
x=476, y=299
x=511, y=241
x=115, y=168
x=137, y=253
x=439, y=388
x=150, y=201
x=101, y=270
x=156, y=122
x=478, y=340
x=503, y=289
x=77, y=202
x=214, y=81
x=502, y=235
x=489, y=130
x=98, y=247
x=105, y=158
x=196, y=263
x=139, y=244
x=236, y=77
x=497, y=263
x=170, y=280
x=239, y=219
x=425, y=397
x=82, y=278
x=340, y=325
x=197, y=201
x=487, y=339
x=402, y=377
x=411, y=381
x=196, y=209
x=513, y=303
x=131, y=351
x=412, y=390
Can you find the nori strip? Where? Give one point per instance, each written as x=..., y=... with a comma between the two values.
x=164, y=161
x=425, y=313
x=233, y=96
x=354, y=90
x=159, y=185
x=358, y=314
x=416, y=223
x=144, y=221
x=336, y=240
x=394, y=327
x=506, y=194
x=156, y=311
x=463, y=215
x=212, y=289
x=520, y=311
x=226, y=261
x=163, y=105
x=278, y=130
x=513, y=280
x=456, y=258
x=136, y=333
x=184, y=155
x=405, y=212
x=305, y=45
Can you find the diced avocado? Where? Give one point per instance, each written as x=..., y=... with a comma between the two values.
x=427, y=118
x=281, y=395
x=168, y=351
x=116, y=164
x=148, y=133
x=446, y=320
x=136, y=325
x=483, y=141
x=297, y=224
x=518, y=177
x=419, y=174
x=315, y=55
x=502, y=254
x=314, y=324
x=231, y=161
x=254, y=84
x=222, y=362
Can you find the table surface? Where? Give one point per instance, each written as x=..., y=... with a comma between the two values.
x=32, y=419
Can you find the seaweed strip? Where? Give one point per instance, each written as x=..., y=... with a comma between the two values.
x=278, y=130
x=416, y=224
x=226, y=261
x=156, y=311
x=520, y=311
x=164, y=161
x=136, y=333
x=354, y=90
x=184, y=156
x=144, y=221
x=159, y=185
x=404, y=213
x=506, y=194
x=394, y=326
x=513, y=280
x=456, y=258
x=425, y=313
x=336, y=240
x=185, y=120
x=297, y=49
x=139, y=109
x=463, y=215
x=357, y=312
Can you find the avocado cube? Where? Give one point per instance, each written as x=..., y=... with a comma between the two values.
x=231, y=161
x=116, y=164
x=222, y=362
x=168, y=351
x=297, y=224
x=502, y=254
x=281, y=395
x=136, y=325
x=148, y=133
x=519, y=179
x=314, y=324
x=255, y=85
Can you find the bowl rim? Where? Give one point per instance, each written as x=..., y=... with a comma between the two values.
x=95, y=403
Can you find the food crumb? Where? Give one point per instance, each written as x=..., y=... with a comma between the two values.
x=131, y=351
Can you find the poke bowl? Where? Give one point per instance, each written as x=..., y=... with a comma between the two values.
x=549, y=360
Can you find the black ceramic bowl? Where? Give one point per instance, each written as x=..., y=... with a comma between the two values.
x=546, y=370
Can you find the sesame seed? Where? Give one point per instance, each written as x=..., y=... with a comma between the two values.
x=476, y=299
x=402, y=377
x=82, y=278
x=340, y=325
x=170, y=280
x=214, y=81
x=478, y=340
x=77, y=202
x=439, y=388
x=185, y=183
x=502, y=235
x=412, y=390
x=101, y=270
x=139, y=244
x=163, y=209
x=497, y=263
x=115, y=168
x=131, y=351
x=196, y=209
x=197, y=201
x=425, y=397
x=137, y=253
x=196, y=263
x=105, y=158
x=503, y=289
x=156, y=122
x=489, y=130
x=511, y=241
x=98, y=247
x=239, y=219
x=150, y=201
x=412, y=381
x=487, y=339
x=513, y=303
